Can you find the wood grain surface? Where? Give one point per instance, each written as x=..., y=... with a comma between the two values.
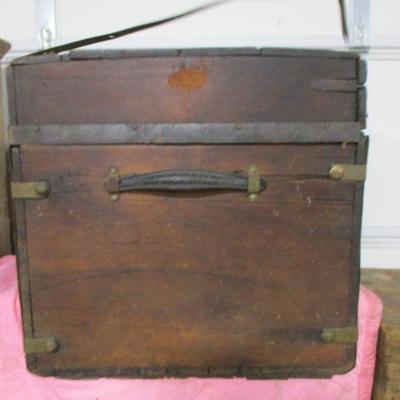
x=184, y=89
x=211, y=281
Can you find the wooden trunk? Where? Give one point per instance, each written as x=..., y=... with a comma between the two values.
x=188, y=213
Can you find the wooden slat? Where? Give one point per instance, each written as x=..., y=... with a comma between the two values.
x=215, y=51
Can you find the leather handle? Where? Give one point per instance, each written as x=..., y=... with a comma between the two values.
x=185, y=181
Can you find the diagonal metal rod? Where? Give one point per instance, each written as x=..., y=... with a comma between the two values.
x=142, y=27
x=123, y=32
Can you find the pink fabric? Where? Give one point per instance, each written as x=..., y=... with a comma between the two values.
x=18, y=384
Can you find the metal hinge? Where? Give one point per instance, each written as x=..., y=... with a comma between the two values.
x=253, y=182
x=40, y=345
x=345, y=335
x=348, y=172
x=112, y=183
x=29, y=190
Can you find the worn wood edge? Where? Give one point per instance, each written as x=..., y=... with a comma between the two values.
x=221, y=51
x=362, y=93
x=360, y=158
x=5, y=242
x=218, y=133
x=21, y=251
x=11, y=95
x=222, y=372
x=362, y=106
x=298, y=52
x=97, y=54
x=139, y=53
x=216, y=51
x=362, y=72
x=45, y=59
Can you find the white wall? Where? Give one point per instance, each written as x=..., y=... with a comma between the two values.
x=286, y=23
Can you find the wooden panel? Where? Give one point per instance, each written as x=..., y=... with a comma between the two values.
x=184, y=89
x=194, y=281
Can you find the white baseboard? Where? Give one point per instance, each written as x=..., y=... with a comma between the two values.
x=380, y=247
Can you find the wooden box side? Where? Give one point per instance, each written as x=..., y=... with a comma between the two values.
x=187, y=88
x=43, y=160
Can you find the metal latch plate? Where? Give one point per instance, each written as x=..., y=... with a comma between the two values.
x=253, y=182
x=40, y=345
x=29, y=190
x=346, y=335
x=348, y=172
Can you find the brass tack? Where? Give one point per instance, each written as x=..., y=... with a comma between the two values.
x=253, y=196
x=114, y=197
x=336, y=172
x=42, y=188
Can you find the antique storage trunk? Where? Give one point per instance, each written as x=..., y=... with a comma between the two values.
x=188, y=213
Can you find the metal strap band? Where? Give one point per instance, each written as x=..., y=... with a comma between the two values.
x=29, y=190
x=212, y=133
x=40, y=345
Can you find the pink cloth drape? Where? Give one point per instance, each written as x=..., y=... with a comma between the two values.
x=18, y=384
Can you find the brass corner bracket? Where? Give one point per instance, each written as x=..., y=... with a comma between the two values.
x=111, y=183
x=253, y=182
x=346, y=335
x=348, y=172
x=40, y=345
x=29, y=190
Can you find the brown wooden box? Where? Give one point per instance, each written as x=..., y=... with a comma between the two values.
x=188, y=213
